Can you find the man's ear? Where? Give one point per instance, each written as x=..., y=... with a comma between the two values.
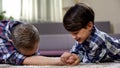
x=90, y=25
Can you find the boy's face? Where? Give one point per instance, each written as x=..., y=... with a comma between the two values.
x=82, y=34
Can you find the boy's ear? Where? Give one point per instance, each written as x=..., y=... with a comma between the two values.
x=90, y=25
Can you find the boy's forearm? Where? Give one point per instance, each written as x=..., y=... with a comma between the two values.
x=41, y=60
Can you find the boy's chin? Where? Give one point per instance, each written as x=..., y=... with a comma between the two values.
x=80, y=42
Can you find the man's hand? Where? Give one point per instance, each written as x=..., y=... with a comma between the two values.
x=76, y=59
x=70, y=58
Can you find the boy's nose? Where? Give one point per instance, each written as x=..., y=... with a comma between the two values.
x=74, y=37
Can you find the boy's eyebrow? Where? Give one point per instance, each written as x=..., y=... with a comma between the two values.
x=74, y=31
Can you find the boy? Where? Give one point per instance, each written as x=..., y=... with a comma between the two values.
x=92, y=45
x=19, y=43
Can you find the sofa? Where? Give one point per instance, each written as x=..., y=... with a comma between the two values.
x=54, y=39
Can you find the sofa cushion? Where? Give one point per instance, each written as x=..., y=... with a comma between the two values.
x=55, y=45
x=104, y=26
x=50, y=28
x=56, y=42
x=46, y=28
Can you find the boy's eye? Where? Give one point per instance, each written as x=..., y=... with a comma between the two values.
x=74, y=33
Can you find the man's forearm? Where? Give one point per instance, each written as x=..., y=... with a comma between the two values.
x=41, y=60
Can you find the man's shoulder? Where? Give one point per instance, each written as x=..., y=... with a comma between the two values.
x=3, y=22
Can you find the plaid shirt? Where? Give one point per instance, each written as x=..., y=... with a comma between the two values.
x=99, y=47
x=8, y=53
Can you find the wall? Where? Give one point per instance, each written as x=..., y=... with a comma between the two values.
x=66, y=4
x=0, y=5
x=106, y=10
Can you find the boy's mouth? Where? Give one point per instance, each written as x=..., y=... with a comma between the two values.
x=79, y=40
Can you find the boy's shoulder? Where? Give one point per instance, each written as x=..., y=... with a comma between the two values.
x=97, y=34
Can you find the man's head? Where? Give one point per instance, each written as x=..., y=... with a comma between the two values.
x=79, y=20
x=25, y=38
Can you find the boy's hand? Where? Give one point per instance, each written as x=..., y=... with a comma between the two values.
x=70, y=59
x=76, y=59
x=65, y=56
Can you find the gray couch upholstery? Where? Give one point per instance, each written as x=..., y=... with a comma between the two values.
x=46, y=28
x=55, y=44
x=54, y=39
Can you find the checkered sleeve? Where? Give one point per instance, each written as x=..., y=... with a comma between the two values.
x=16, y=58
x=76, y=49
x=113, y=45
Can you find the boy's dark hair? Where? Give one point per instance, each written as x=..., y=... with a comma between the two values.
x=78, y=17
x=25, y=36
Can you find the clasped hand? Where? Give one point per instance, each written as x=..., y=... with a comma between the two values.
x=70, y=58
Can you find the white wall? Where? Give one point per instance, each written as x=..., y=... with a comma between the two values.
x=0, y=5
x=106, y=10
